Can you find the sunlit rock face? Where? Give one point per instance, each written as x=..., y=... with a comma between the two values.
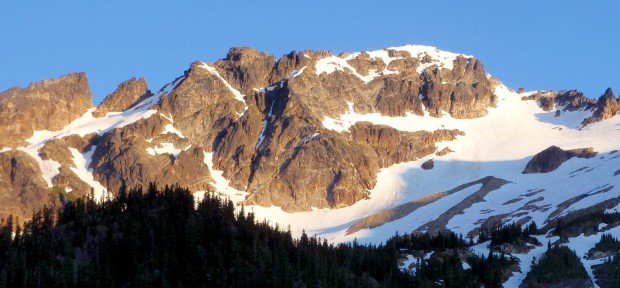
x=45, y=105
x=126, y=95
x=351, y=146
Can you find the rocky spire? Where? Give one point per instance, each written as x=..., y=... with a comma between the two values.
x=126, y=95
x=607, y=106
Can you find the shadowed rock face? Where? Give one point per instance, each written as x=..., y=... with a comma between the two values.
x=22, y=189
x=552, y=157
x=605, y=107
x=571, y=100
x=126, y=95
x=45, y=105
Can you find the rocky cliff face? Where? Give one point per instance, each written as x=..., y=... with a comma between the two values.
x=45, y=105
x=400, y=139
x=295, y=132
x=259, y=118
x=571, y=100
x=23, y=191
x=606, y=107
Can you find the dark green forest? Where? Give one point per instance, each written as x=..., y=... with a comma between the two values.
x=558, y=267
x=162, y=238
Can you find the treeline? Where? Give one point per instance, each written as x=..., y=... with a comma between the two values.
x=451, y=264
x=448, y=270
x=162, y=238
x=513, y=233
x=558, y=267
x=608, y=273
x=439, y=242
x=608, y=244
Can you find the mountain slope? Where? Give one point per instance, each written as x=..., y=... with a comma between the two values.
x=333, y=144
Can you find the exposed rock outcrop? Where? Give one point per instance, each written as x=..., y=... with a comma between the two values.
x=22, y=189
x=246, y=68
x=126, y=95
x=143, y=153
x=59, y=150
x=552, y=157
x=607, y=106
x=564, y=100
x=262, y=121
x=463, y=92
x=45, y=105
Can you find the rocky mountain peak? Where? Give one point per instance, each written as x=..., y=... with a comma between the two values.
x=246, y=68
x=606, y=107
x=45, y=105
x=345, y=145
x=126, y=95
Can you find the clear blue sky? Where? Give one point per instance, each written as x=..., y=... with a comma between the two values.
x=531, y=44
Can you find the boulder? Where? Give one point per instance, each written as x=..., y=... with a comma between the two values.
x=428, y=164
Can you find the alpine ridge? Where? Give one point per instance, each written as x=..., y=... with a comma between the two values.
x=351, y=146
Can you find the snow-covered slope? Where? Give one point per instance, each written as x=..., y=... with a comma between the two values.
x=500, y=145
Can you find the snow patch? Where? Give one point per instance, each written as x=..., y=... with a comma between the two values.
x=408, y=264
x=436, y=57
x=280, y=84
x=298, y=72
x=331, y=64
x=221, y=184
x=85, y=173
x=166, y=148
x=169, y=129
x=49, y=168
x=409, y=122
x=169, y=117
x=582, y=244
x=261, y=136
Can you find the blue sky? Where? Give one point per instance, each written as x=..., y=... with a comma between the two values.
x=531, y=44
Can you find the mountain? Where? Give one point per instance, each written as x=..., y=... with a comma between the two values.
x=352, y=146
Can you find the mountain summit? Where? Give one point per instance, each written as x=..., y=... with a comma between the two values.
x=356, y=145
